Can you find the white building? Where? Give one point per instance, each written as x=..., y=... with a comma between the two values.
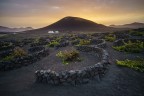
x=53, y=32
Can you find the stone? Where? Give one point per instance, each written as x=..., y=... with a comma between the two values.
x=85, y=81
x=37, y=73
x=105, y=61
x=75, y=77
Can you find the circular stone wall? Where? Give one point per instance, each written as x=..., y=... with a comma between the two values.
x=55, y=63
x=76, y=76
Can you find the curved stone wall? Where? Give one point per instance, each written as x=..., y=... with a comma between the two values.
x=76, y=76
x=96, y=42
x=23, y=61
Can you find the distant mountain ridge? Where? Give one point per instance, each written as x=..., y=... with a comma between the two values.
x=134, y=25
x=75, y=24
x=7, y=29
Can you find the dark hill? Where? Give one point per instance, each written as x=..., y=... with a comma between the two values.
x=74, y=24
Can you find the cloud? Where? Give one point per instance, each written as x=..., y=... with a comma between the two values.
x=52, y=10
x=55, y=7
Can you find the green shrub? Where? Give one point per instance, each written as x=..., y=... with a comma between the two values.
x=6, y=45
x=36, y=40
x=8, y=58
x=84, y=42
x=136, y=33
x=110, y=37
x=132, y=47
x=53, y=43
x=68, y=56
x=17, y=52
x=75, y=42
x=58, y=39
x=137, y=64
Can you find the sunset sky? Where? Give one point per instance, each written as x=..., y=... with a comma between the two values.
x=40, y=13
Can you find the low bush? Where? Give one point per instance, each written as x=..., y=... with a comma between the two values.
x=53, y=43
x=8, y=58
x=110, y=37
x=5, y=46
x=132, y=47
x=17, y=52
x=84, y=42
x=58, y=39
x=36, y=40
x=137, y=64
x=75, y=42
x=136, y=33
x=68, y=56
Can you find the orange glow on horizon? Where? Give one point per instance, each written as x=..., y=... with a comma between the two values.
x=41, y=14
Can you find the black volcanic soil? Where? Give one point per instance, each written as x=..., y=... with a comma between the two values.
x=54, y=63
x=118, y=81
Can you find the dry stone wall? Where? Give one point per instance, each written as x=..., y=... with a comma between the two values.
x=23, y=61
x=76, y=76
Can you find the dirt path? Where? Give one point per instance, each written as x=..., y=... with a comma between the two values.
x=117, y=81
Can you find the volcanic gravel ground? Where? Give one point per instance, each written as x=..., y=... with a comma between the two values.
x=53, y=62
x=118, y=81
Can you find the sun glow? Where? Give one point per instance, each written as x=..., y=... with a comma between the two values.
x=40, y=14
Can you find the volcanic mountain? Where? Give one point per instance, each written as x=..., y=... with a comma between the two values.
x=75, y=24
